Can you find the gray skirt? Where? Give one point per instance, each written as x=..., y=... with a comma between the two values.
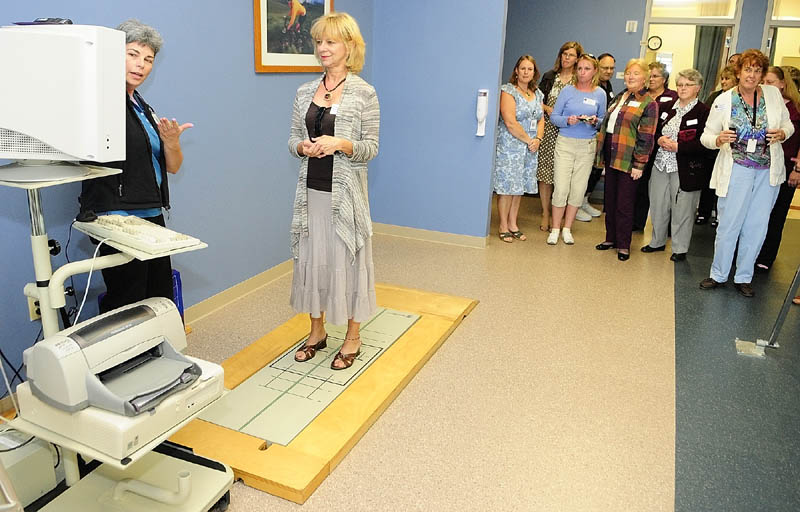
x=327, y=279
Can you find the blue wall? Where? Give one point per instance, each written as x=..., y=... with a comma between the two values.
x=236, y=187
x=430, y=59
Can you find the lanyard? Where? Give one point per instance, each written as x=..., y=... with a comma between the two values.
x=755, y=104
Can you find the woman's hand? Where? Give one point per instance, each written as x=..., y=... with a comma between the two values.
x=328, y=145
x=592, y=120
x=311, y=149
x=171, y=131
x=572, y=120
x=775, y=135
x=636, y=174
x=726, y=137
x=668, y=144
x=533, y=145
x=547, y=109
x=794, y=176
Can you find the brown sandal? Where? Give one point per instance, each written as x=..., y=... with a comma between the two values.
x=347, y=359
x=310, y=350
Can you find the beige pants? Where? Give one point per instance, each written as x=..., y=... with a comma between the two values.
x=572, y=167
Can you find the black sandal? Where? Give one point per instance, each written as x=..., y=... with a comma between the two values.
x=310, y=350
x=347, y=359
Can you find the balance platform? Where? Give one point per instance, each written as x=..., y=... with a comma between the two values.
x=294, y=470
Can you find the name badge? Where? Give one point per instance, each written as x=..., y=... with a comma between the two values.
x=665, y=99
x=634, y=104
x=691, y=122
x=664, y=115
x=533, y=124
x=334, y=109
x=589, y=101
x=751, y=145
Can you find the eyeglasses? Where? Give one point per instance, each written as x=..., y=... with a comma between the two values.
x=685, y=85
x=587, y=55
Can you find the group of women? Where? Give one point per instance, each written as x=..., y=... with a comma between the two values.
x=661, y=150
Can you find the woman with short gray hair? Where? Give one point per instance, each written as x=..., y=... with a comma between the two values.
x=153, y=150
x=681, y=167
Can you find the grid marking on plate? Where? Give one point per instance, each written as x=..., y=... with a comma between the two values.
x=280, y=400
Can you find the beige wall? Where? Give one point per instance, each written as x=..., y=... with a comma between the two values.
x=678, y=40
x=787, y=45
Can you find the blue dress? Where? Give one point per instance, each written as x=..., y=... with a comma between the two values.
x=515, y=166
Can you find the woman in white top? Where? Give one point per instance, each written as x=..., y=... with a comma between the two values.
x=747, y=124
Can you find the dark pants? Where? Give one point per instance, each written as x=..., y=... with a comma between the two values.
x=708, y=202
x=620, y=194
x=594, y=179
x=642, y=201
x=136, y=280
x=769, y=251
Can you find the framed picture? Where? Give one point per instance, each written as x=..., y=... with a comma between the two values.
x=282, y=30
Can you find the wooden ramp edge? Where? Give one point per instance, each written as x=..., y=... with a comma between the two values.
x=295, y=471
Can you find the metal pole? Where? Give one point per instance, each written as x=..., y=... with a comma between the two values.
x=787, y=303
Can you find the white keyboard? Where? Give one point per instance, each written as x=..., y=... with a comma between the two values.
x=137, y=233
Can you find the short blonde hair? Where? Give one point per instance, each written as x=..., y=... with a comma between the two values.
x=640, y=63
x=342, y=27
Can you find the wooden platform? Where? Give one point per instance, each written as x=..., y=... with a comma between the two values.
x=295, y=471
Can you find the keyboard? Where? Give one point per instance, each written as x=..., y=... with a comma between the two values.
x=137, y=233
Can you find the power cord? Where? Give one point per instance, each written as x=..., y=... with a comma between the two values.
x=71, y=278
x=89, y=279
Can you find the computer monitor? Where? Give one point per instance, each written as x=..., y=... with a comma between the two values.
x=62, y=93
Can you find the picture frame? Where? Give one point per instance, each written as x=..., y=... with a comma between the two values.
x=282, y=37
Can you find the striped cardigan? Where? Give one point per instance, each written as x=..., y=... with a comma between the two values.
x=357, y=120
x=633, y=137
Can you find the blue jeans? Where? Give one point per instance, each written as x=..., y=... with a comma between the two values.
x=743, y=217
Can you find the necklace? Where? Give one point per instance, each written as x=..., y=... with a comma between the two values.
x=329, y=91
x=525, y=92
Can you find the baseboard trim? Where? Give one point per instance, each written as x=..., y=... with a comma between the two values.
x=237, y=291
x=429, y=236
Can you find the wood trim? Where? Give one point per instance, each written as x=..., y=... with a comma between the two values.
x=429, y=236
x=260, y=68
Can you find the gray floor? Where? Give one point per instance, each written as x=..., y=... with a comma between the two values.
x=738, y=417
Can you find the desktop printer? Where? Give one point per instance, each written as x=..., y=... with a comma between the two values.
x=117, y=381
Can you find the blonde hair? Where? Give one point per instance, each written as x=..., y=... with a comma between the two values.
x=640, y=63
x=342, y=27
x=590, y=58
x=789, y=91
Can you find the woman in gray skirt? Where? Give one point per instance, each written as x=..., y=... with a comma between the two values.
x=335, y=124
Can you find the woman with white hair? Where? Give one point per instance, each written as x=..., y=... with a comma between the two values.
x=152, y=151
x=334, y=133
x=681, y=168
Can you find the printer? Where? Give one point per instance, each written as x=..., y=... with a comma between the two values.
x=117, y=381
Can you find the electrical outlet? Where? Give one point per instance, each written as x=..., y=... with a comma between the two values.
x=34, y=312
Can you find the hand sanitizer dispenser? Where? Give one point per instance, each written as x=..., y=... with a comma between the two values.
x=482, y=111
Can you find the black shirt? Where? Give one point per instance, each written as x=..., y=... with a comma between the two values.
x=320, y=170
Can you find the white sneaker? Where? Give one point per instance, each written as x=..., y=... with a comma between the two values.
x=566, y=234
x=582, y=216
x=552, y=238
x=591, y=210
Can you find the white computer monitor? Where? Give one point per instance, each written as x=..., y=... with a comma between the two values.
x=62, y=93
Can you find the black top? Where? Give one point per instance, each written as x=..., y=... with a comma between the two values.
x=320, y=170
x=609, y=92
x=136, y=187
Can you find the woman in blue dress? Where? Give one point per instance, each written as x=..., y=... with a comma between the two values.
x=518, y=139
